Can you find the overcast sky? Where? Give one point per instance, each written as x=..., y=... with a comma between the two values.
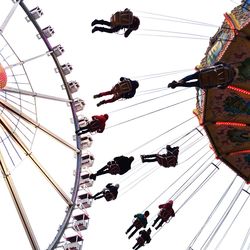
x=99, y=60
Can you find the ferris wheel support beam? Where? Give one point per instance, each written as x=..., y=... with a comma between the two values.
x=25, y=149
x=35, y=94
x=36, y=124
x=18, y=204
x=10, y=14
x=28, y=60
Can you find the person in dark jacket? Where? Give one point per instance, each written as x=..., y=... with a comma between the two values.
x=166, y=160
x=165, y=213
x=126, y=89
x=97, y=124
x=120, y=165
x=110, y=192
x=219, y=75
x=142, y=239
x=120, y=20
x=139, y=222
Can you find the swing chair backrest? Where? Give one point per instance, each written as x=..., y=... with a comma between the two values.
x=171, y=159
x=164, y=214
x=114, y=168
x=140, y=241
x=94, y=125
x=123, y=87
x=167, y=161
x=212, y=78
x=122, y=18
x=137, y=223
x=173, y=151
x=108, y=195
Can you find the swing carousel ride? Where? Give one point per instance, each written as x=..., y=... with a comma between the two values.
x=46, y=166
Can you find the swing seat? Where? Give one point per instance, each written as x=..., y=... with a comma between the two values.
x=122, y=87
x=164, y=214
x=94, y=125
x=114, y=168
x=108, y=195
x=212, y=78
x=169, y=161
x=140, y=241
x=121, y=18
x=138, y=224
x=172, y=161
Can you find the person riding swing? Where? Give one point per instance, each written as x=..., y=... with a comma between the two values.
x=124, y=89
x=120, y=20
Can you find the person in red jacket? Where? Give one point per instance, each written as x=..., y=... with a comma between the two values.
x=120, y=20
x=139, y=222
x=166, y=160
x=144, y=237
x=97, y=124
x=126, y=89
x=120, y=165
x=166, y=211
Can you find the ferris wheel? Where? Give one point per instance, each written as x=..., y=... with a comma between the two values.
x=40, y=161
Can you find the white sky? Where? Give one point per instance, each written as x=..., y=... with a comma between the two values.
x=99, y=60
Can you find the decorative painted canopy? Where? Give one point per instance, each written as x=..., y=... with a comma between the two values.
x=225, y=113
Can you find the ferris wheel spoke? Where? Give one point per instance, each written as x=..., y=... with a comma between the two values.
x=16, y=101
x=14, y=75
x=17, y=82
x=17, y=112
x=35, y=94
x=27, y=60
x=3, y=94
x=18, y=204
x=3, y=47
x=7, y=57
x=9, y=15
x=11, y=119
x=7, y=150
x=25, y=149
